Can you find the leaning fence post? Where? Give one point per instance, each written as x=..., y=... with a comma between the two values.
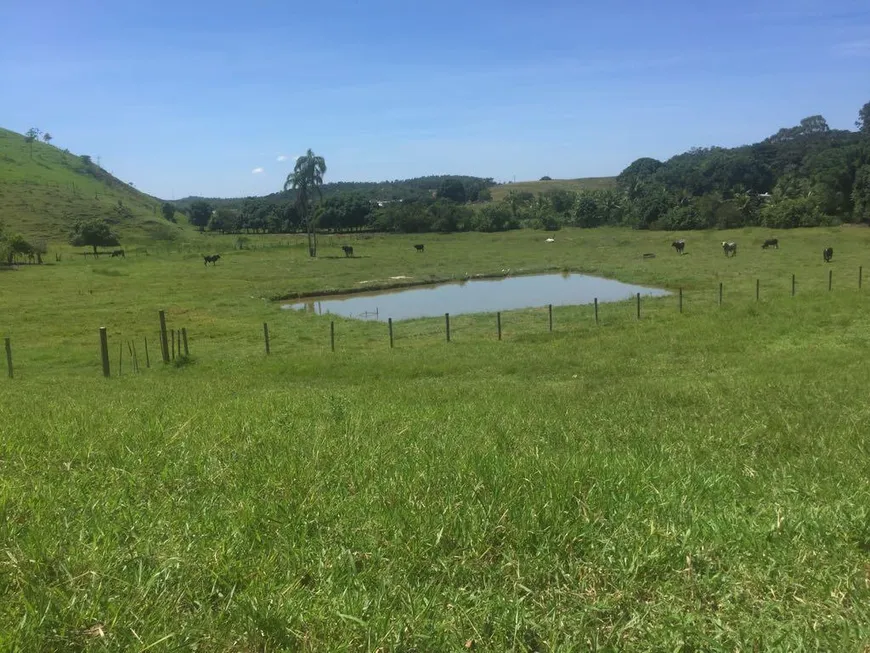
x=332, y=335
x=164, y=342
x=147, y=358
x=498, y=323
x=104, y=350
x=830, y=279
x=9, y=357
x=792, y=285
x=757, y=289
x=266, y=337
x=447, y=325
x=720, y=293
x=681, y=300
x=184, y=335
x=596, y=310
x=638, y=306
x=550, y=309
x=390, y=325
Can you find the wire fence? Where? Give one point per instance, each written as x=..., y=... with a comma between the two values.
x=136, y=354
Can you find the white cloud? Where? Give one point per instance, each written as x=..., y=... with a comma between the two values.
x=257, y=171
x=282, y=157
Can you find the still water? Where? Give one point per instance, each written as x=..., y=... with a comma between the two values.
x=475, y=296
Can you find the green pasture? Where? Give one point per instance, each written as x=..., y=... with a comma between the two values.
x=682, y=482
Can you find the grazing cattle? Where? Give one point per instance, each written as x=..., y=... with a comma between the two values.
x=679, y=245
x=770, y=242
x=211, y=259
x=118, y=252
x=348, y=250
x=730, y=249
x=419, y=248
x=828, y=254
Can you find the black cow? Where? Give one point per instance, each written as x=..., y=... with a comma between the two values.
x=118, y=252
x=730, y=249
x=347, y=249
x=419, y=248
x=211, y=259
x=828, y=254
x=770, y=242
x=679, y=245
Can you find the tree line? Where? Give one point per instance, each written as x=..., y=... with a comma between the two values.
x=801, y=176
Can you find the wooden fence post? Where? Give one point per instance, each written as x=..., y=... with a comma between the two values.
x=860, y=275
x=792, y=285
x=550, y=309
x=173, y=344
x=447, y=325
x=332, y=335
x=266, y=337
x=681, y=299
x=830, y=279
x=596, y=310
x=164, y=342
x=390, y=325
x=184, y=335
x=120, y=357
x=638, y=306
x=104, y=351
x=720, y=293
x=135, y=356
x=498, y=323
x=757, y=289
x=9, y=357
x=147, y=358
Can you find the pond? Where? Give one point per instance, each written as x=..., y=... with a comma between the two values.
x=474, y=296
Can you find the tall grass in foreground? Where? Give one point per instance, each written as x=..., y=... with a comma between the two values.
x=686, y=483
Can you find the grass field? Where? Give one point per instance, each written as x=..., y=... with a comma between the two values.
x=693, y=481
x=586, y=183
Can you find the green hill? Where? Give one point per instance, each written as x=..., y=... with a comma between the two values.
x=589, y=183
x=43, y=195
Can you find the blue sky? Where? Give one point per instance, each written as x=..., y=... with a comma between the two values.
x=191, y=97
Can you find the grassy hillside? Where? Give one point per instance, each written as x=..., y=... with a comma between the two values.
x=683, y=482
x=587, y=183
x=42, y=196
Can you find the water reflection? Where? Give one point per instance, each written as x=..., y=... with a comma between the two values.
x=475, y=296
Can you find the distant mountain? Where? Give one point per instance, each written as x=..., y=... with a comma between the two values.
x=44, y=190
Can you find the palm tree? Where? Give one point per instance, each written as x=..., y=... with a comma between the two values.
x=307, y=177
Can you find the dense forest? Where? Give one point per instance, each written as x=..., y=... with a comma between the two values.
x=801, y=176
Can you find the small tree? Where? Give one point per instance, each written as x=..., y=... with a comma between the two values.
x=31, y=135
x=199, y=214
x=93, y=233
x=453, y=190
x=18, y=245
x=47, y=138
x=168, y=211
